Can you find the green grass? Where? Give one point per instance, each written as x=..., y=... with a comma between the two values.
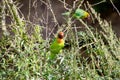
x=24, y=56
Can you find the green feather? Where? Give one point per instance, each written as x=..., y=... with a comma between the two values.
x=55, y=48
x=66, y=14
x=79, y=14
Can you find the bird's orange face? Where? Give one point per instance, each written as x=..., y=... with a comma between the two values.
x=60, y=37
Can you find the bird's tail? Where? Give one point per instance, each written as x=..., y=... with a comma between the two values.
x=52, y=56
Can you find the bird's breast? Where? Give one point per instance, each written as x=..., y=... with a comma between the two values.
x=60, y=40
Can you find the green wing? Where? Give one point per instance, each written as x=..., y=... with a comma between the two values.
x=55, y=48
x=79, y=14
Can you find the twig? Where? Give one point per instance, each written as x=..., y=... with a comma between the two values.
x=14, y=12
x=3, y=14
x=115, y=7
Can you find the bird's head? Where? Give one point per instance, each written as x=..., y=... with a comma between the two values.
x=87, y=15
x=60, y=37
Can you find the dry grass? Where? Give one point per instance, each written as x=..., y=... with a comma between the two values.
x=24, y=56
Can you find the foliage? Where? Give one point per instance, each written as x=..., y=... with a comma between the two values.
x=24, y=56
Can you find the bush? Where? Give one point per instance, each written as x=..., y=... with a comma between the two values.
x=24, y=55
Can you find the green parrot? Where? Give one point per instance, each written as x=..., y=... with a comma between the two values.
x=79, y=14
x=57, y=45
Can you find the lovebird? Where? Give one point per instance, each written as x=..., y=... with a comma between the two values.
x=57, y=45
x=79, y=14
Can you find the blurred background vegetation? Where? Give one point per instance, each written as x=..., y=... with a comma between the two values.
x=28, y=26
